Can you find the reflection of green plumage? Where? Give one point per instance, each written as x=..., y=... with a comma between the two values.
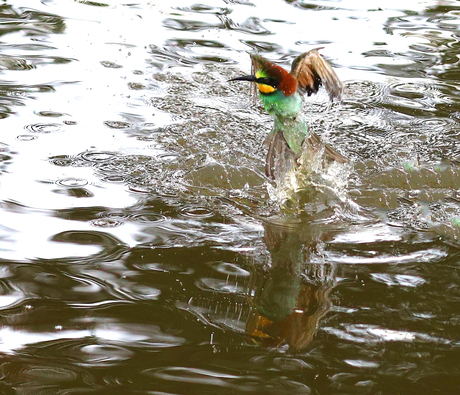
x=292, y=295
x=281, y=94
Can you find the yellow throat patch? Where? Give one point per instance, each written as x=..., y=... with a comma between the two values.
x=266, y=88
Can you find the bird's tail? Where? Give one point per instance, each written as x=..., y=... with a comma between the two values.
x=314, y=144
x=281, y=159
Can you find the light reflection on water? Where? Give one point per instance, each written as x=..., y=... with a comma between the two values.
x=141, y=245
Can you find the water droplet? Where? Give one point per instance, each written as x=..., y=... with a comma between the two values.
x=167, y=157
x=110, y=65
x=44, y=128
x=114, y=179
x=74, y=192
x=147, y=217
x=61, y=161
x=229, y=268
x=365, y=91
x=117, y=124
x=116, y=215
x=434, y=123
x=135, y=86
x=106, y=222
x=26, y=137
x=139, y=189
x=196, y=212
x=50, y=114
x=98, y=156
x=101, y=355
x=409, y=89
x=72, y=182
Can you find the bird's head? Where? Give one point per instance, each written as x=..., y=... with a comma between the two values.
x=269, y=77
x=308, y=72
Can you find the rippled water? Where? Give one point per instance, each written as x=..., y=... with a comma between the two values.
x=142, y=248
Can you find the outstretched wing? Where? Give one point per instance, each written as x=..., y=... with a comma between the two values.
x=311, y=71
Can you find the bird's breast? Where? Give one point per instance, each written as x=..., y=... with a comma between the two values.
x=281, y=105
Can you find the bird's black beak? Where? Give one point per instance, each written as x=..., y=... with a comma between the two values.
x=250, y=78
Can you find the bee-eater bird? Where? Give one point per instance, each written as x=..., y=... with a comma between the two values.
x=281, y=93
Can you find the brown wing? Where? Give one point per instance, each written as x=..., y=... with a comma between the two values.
x=314, y=143
x=311, y=71
x=280, y=158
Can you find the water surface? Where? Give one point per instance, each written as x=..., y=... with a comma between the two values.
x=142, y=248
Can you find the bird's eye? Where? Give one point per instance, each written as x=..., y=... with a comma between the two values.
x=268, y=81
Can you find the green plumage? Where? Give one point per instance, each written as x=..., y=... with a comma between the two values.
x=281, y=106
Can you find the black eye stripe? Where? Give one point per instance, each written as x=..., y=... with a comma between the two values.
x=268, y=81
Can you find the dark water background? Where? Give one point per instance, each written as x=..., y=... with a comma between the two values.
x=142, y=250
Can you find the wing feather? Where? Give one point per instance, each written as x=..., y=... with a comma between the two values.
x=314, y=144
x=280, y=158
x=311, y=71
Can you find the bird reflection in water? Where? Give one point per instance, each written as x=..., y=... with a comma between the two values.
x=289, y=299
